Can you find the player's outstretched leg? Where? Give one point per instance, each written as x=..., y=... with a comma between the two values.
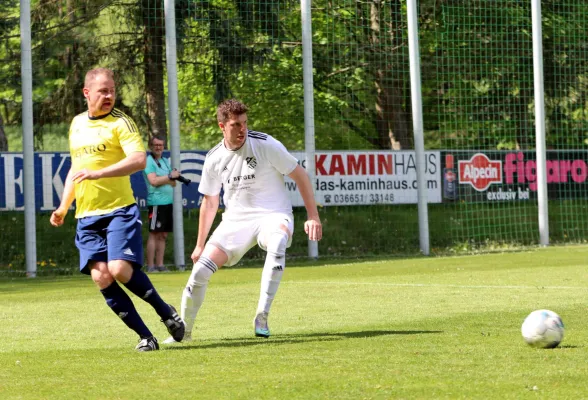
x=122, y=305
x=175, y=326
x=271, y=276
x=140, y=285
x=193, y=294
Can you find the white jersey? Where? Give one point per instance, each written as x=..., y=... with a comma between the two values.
x=252, y=177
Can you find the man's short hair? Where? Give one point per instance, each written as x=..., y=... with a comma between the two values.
x=230, y=108
x=93, y=73
x=156, y=137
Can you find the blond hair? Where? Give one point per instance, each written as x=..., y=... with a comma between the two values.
x=93, y=73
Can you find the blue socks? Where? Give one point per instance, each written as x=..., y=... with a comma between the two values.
x=122, y=305
x=141, y=286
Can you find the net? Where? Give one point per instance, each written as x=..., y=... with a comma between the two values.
x=566, y=90
x=483, y=92
x=478, y=105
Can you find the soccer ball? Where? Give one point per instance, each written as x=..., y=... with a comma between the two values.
x=543, y=329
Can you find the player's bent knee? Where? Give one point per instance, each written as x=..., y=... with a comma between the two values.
x=277, y=242
x=101, y=275
x=121, y=270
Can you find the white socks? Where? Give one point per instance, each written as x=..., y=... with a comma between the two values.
x=273, y=269
x=195, y=290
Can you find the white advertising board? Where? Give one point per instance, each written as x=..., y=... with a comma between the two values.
x=369, y=177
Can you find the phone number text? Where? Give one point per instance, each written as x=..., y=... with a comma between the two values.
x=371, y=198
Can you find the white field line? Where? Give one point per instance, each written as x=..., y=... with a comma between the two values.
x=344, y=283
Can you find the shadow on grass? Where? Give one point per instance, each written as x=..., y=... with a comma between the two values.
x=569, y=346
x=292, y=339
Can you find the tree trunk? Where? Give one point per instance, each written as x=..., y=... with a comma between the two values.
x=3, y=139
x=392, y=122
x=73, y=97
x=154, y=31
x=392, y=119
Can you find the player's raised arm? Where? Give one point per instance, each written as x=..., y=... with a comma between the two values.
x=312, y=226
x=67, y=198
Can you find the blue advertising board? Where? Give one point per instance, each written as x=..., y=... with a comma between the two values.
x=51, y=170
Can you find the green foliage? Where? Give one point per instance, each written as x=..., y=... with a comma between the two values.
x=566, y=75
x=477, y=74
x=484, y=79
x=10, y=57
x=54, y=137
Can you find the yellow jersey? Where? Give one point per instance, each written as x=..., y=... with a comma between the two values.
x=96, y=143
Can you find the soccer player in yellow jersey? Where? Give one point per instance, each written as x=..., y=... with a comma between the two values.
x=106, y=148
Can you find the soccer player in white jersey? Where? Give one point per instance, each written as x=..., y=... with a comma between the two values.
x=250, y=167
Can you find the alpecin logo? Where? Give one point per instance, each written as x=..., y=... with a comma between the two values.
x=480, y=172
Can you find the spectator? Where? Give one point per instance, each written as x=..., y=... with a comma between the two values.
x=160, y=179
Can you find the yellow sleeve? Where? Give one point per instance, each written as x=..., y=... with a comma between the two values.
x=71, y=143
x=128, y=136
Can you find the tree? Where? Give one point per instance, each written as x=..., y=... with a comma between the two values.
x=361, y=58
x=481, y=78
x=9, y=75
x=3, y=139
x=475, y=55
x=153, y=27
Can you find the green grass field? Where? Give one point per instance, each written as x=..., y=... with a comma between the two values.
x=403, y=328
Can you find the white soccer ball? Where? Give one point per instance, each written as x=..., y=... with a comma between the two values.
x=543, y=328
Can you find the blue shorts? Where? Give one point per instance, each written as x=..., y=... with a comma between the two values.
x=112, y=236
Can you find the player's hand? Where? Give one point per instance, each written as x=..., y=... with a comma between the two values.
x=57, y=217
x=84, y=174
x=196, y=253
x=314, y=228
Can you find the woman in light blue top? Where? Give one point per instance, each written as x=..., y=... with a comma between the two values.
x=160, y=179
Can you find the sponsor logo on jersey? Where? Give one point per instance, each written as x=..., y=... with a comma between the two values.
x=89, y=150
x=240, y=178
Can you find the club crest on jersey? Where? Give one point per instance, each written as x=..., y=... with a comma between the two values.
x=251, y=162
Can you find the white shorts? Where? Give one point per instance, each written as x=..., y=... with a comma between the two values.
x=236, y=238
